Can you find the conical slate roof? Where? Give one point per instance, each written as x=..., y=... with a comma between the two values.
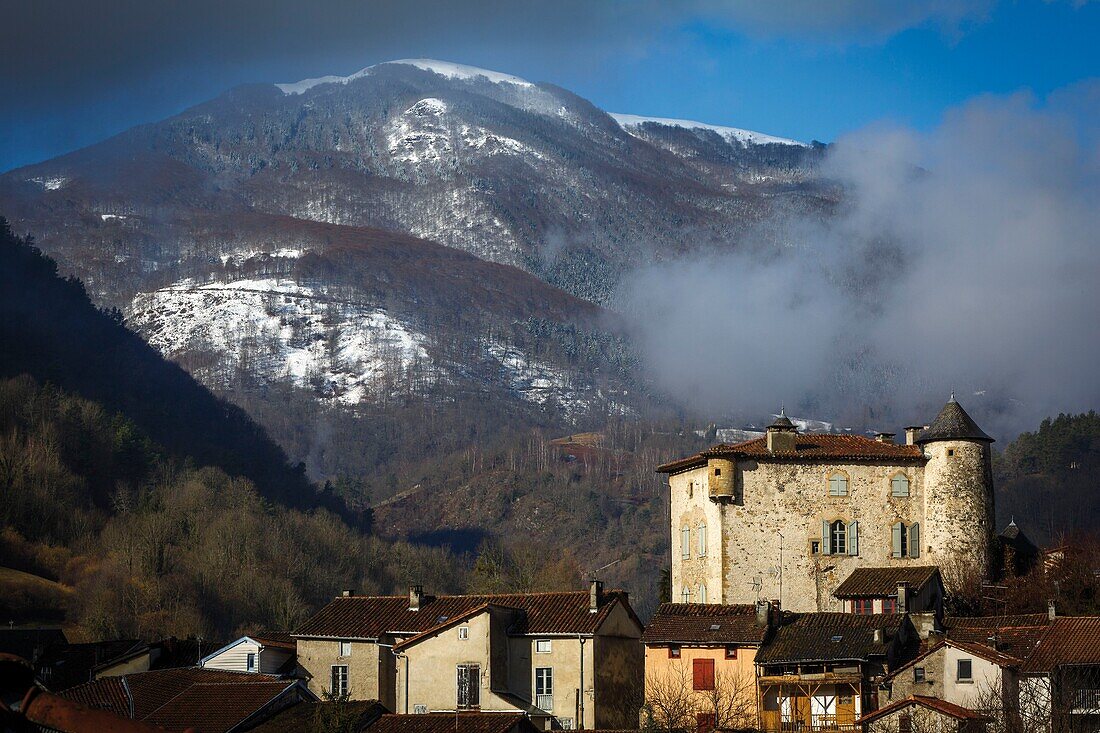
x=782, y=421
x=953, y=424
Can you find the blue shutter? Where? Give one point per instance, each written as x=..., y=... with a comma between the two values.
x=853, y=538
x=914, y=540
x=826, y=539
x=898, y=529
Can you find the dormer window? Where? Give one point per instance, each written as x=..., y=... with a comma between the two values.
x=838, y=485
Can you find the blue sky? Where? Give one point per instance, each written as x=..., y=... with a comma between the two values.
x=74, y=74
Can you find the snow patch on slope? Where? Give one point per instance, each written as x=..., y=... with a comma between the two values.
x=443, y=68
x=631, y=123
x=50, y=183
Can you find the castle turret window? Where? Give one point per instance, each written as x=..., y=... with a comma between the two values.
x=899, y=485
x=906, y=540
x=838, y=485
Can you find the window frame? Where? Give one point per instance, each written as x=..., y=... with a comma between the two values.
x=893, y=604
x=702, y=590
x=463, y=633
x=674, y=651
x=345, y=680
x=343, y=649
x=546, y=680
x=702, y=674
x=538, y=644
x=731, y=651
x=863, y=606
x=473, y=691
x=838, y=530
x=701, y=539
x=959, y=669
x=250, y=661
x=685, y=543
x=918, y=674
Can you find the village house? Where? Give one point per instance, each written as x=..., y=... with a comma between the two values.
x=964, y=673
x=569, y=659
x=789, y=515
x=821, y=671
x=892, y=590
x=918, y=714
x=267, y=653
x=700, y=665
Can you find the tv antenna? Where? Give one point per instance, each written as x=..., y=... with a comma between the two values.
x=592, y=573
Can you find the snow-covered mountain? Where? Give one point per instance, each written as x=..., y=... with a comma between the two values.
x=416, y=226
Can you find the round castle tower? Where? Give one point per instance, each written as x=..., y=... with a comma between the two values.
x=958, y=491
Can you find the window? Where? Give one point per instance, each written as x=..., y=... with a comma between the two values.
x=702, y=532
x=345, y=649
x=899, y=485
x=691, y=489
x=965, y=671
x=906, y=540
x=674, y=652
x=950, y=451
x=468, y=686
x=705, y=722
x=685, y=596
x=565, y=723
x=815, y=547
x=250, y=662
x=918, y=674
x=702, y=593
x=339, y=684
x=838, y=485
x=685, y=543
x=905, y=723
x=542, y=646
x=544, y=688
x=863, y=606
x=889, y=605
x=717, y=472
x=731, y=652
x=838, y=538
x=702, y=674
x=463, y=633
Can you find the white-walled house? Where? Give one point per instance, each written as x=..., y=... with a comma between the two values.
x=263, y=653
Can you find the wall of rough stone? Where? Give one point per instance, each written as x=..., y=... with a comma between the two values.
x=691, y=507
x=959, y=505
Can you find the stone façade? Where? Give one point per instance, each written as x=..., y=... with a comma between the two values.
x=761, y=506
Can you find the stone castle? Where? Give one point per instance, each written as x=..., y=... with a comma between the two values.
x=790, y=515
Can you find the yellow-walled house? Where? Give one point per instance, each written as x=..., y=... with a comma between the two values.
x=700, y=665
x=567, y=660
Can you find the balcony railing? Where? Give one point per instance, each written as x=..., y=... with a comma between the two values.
x=544, y=702
x=817, y=724
x=1086, y=701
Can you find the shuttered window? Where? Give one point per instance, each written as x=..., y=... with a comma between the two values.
x=702, y=532
x=705, y=722
x=702, y=674
x=899, y=486
x=853, y=538
x=914, y=540
x=838, y=538
x=838, y=485
x=685, y=543
x=702, y=593
x=905, y=540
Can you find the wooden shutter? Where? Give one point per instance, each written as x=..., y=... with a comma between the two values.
x=702, y=674
x=853, y=538
x=826, y=539
x=705, y=722
x=914, y=540
x=898, y=529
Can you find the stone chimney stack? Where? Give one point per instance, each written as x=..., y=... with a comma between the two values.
x=782, y=434
x=911, y=433
x=595, y=595
x=1052, y=612
x=763, y=611
x=416, y=597
x=879, y=636
x=903, y=596
x=347, y=593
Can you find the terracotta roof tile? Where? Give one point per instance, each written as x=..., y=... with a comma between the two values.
x=1016, y=635
x=367, y=617
x=1068, y=641
x=932, y=703
x=302, y=718
x=704, y=623
x=106, y=694
x=215, y=708
x=884, y=581
x=828, y=637
x=808, y=447
x=452, y=723
x=281, y=639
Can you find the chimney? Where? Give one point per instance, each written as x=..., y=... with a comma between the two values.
x=992, y=640
x=884, y=437
x=416, y=597
x=911, y=433
x=347, y=593
x=763, y=611
x=1051, y=611
x=879, y=636
x=903, y=596
x=595, y=595
x=782, y=434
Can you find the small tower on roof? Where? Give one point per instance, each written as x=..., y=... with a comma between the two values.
x=782, y=434
x=958, y=494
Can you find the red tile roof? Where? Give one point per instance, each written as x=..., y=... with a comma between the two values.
x=452, y=723
x=367, y=617
x=280, y=639
x=303, y=717
x=208, y=700
x=932, y=703
x=828, y=637
x=1068, y=641
x=1016, y=635
x=704, y=623
x=877, y=582
x=809, y=447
